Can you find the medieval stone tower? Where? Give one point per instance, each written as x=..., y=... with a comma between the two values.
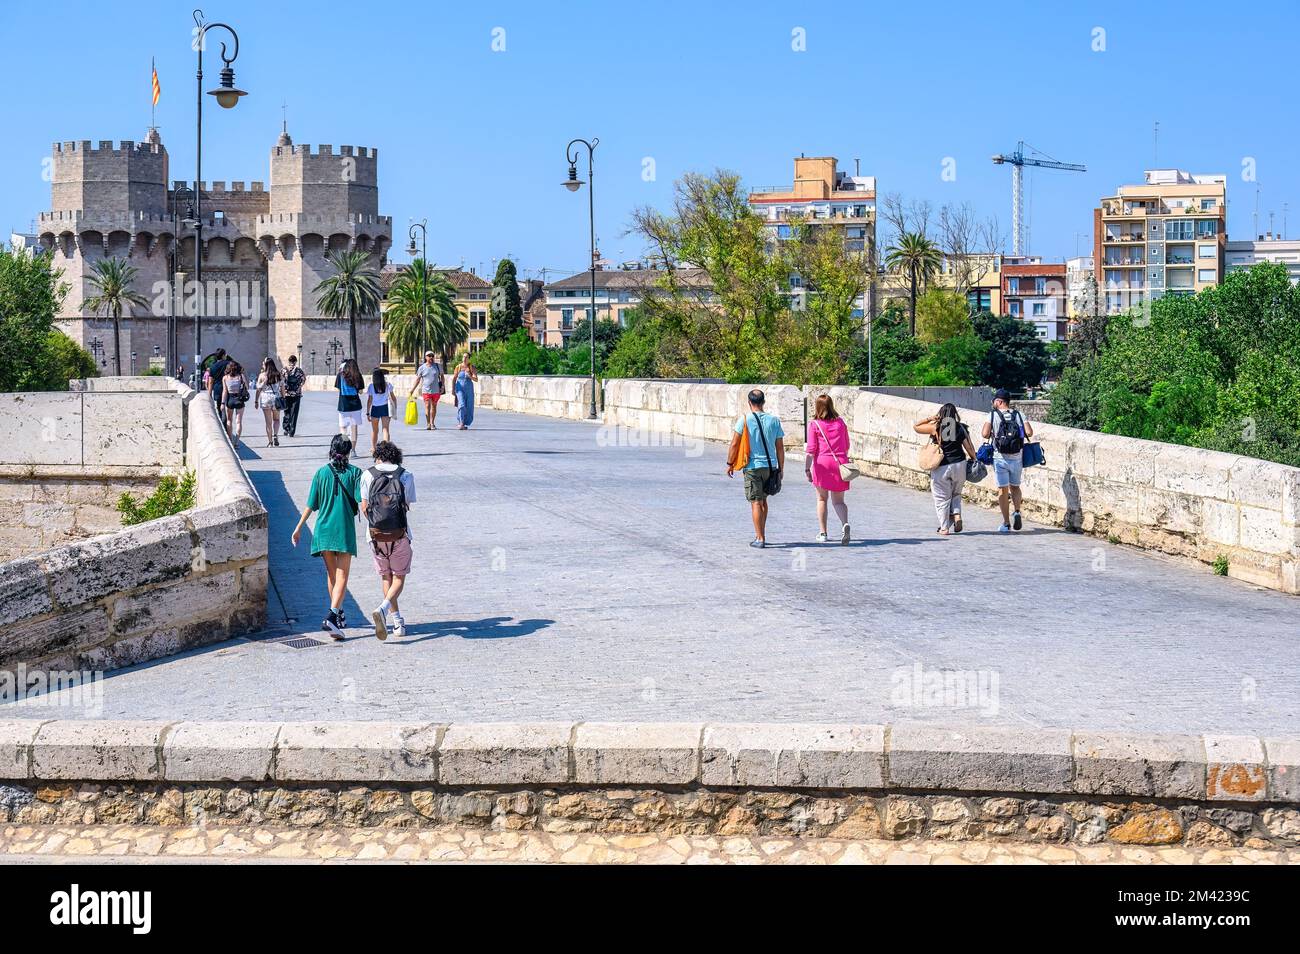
x=322, y=202
x=264, y=252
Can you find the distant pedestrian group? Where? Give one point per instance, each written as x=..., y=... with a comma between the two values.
x=757, y=450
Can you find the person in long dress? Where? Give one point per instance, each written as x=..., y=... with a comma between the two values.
x=464, y=389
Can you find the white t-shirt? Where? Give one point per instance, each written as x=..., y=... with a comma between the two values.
x=376, y=398
x=1016, y=420
x=408, y=486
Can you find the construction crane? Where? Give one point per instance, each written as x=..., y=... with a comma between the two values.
x=1018, y=161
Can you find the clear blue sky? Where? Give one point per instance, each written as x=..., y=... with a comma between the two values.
x=474, y=139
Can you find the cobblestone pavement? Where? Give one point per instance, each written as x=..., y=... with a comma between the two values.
x=562, y=574
x=147, y=844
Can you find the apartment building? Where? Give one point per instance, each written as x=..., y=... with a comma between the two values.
x=1239, y=256
x=1165, y=236
x=1080, y=286
x=618, y=291
x=822, y=195
x=1037, y=293
x=978, y=275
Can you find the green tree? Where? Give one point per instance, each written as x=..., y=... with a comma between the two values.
x=352, y=292
x=941, y=315
x=34, y=355
x=833, y=278
x=637, y=352
x=507, y=312
x=919, y=259
x=422, y=313
x=1016, y=356
x=719, y=300
x=608, y=333
x=954, y=362
x=1076, y=399
x=891, y=345
x=112, y=278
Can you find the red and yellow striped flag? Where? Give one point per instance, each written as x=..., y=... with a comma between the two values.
x=157, y=90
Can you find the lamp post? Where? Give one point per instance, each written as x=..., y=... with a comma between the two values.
x=335, y=349
x=97, y=349
x=183, y=194
x=423, y=226
x=227, y=95
x=313, y=361
x=573, y=184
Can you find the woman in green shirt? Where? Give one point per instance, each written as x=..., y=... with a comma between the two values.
x=335, y=495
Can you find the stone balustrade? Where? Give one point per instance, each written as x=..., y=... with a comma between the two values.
x=138, y=593
x=859, y=781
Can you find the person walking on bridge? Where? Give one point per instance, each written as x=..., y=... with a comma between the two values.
x=947, y=480
x=827, y=448
x=1007, y=429
x=269, y=397
x=295, y=379
x=464, y=388
x=760, y=436
x=349, y=383
x=387, y=492
x=335, y=495
x=428, y=380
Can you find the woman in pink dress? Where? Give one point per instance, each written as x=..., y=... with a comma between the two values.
x=827, y=448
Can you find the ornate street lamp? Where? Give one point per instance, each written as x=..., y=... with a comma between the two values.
x=573, y=184
x=226, y=95
x=423, y=226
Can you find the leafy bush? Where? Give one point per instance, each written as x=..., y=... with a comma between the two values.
x=955, y=362
x=171, y=497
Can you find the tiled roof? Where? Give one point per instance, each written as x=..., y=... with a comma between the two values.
x=630, y=278
x=459, y=278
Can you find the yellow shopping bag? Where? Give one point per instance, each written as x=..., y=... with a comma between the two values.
x=412, y=413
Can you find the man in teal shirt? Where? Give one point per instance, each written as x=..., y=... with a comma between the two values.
x=766, y=452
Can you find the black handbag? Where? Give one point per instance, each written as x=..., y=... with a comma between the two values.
x=772, y=485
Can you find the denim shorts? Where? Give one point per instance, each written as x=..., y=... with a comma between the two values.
x=1008, y=471
x=379, y=410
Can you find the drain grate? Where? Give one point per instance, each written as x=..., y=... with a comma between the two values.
x=303, y=642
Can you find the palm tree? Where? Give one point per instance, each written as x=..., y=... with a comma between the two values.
x=919, y=259
x=112, y=279
x=351, y=292
x=422, y=313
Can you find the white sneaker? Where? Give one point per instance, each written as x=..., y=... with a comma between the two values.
x=844, y=534
x=821, y=538
x=381, y=623
x=399, y=627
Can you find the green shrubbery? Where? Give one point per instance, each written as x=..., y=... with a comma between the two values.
x=34, y=355
x=172, y=496
x=1218, y=370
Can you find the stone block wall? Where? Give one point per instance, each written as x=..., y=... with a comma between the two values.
x=46, y=507
x=816, y=780
x=703, y=411
x=150, y=590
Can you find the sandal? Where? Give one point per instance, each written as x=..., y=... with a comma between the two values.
x=956, y=523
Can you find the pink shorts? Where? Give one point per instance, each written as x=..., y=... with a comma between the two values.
x=432, y=398
x=392, y=559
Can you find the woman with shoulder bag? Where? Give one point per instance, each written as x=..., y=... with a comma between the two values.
x=335, y=496
x=270, y=399
x=950, y=446
x=235, y=388
x=826, y=464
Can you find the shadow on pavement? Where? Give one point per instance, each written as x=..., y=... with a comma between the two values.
x=491, y=627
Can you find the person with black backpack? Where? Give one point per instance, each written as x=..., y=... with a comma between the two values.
x=387, y=492
x=1007, y=430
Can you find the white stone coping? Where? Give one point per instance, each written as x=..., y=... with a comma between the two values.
x=911, y=757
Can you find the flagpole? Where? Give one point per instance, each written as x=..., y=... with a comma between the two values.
x=153, y=105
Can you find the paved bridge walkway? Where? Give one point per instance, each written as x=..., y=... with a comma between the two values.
x=558, y=577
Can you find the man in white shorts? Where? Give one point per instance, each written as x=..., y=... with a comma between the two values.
x=1008, y=429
